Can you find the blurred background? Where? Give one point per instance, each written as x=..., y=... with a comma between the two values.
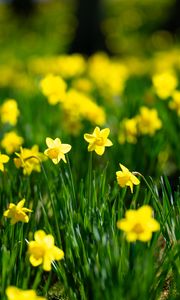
x=119, y=27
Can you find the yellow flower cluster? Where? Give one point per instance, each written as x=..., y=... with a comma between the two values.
x=146, y=122
x=128, y=131
x=78, y=105
x=164, y=84
x=109, y=76
x=11, y=142
x=9, y=112
x=54, y=88
x=67, y=66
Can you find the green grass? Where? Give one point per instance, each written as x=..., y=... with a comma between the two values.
x=98, y=261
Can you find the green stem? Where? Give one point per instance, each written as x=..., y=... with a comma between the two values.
x=90, y=178
x=151, y=190
x=53, y=204
x=37, y=279
x=71, y=181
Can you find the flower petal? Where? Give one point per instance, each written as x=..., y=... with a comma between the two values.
x=49, y=142
x=99, y=150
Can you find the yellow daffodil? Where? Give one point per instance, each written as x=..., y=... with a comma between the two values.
x=56, y=150
x=128, y=131
x=139, y=224
x=11, y=142
x=29, y=159
x=126, y=178
x=17, y=213
x=165, y=83
x=14, y=293
x=9, y=112
x=54, y=88
x=42, y=250
x=98, y=140
x=3, y=160
x=148, y=121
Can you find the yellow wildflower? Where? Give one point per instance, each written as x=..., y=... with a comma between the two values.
x=11, y=142
x=3, y=160
x=17, y=213
x=175, y=103
x=80, y=105
x=98, y=140
x=139, y=224
x=54, y=88
x=126, y=178
x=14, y=293
x=128, y=131
x=83, y=85
x=164, y=84
x=71, y=65
x=43, y=251
x=148, y=121
x=29, y=159
x=109, y=75
x=9, y=112
x=56, y=150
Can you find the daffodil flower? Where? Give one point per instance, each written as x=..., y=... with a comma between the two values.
x=98, y=140
x=126, y=178
x=17, y=212
x=42, y=250
x=56, y=150
x=3, y=160
x=139, y=224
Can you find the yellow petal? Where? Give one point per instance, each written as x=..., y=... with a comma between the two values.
x=108, y=143
x=153, y=225
x=134, y=179
x=99, y=150
x=123, y=168
x=65, y=148
x=131, y=236
x=96, y=131
x=1, y=167
x=130, y=184
x=49, y=142
x=89, y=138
x=58, y=253
x=39, y=235
x=49, y=240
x=57, y=142
x=21, y=203
x=4, y=158
x=47, y=263
x=105, y=132
x=91, y=147
x=56, y=160
x=145, y=236
x=35, y=261
x=145, y=211
x=124, y=225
